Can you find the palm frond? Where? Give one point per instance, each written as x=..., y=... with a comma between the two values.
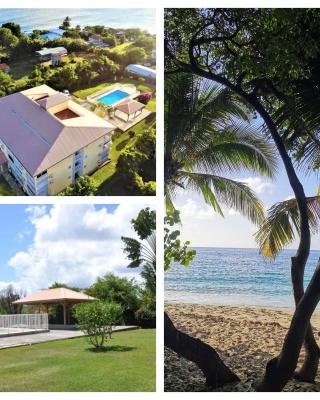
x=234, y=194
x=282, y=225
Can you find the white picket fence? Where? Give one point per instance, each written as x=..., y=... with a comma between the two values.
x=16, y=323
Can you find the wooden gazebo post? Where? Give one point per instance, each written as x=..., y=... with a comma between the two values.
x=64, y=313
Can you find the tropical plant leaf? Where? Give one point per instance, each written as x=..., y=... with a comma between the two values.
x=282, y=224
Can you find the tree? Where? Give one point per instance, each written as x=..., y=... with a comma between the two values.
x=7, y=296
x=96, y=320
x=123, y=291
x=142, y=253
x=264, y=56
x=134, y=55
x=65, y=77
x=14, y=28
x=66, y=24
x=84, y=186
x=148, y=43
x=7, y=40
x=202, y=138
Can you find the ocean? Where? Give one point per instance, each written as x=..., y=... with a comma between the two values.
x=42, y=18
x=228, y=276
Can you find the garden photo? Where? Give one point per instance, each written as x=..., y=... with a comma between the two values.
x=242, y=193
x=78, y=298
x=77, y=102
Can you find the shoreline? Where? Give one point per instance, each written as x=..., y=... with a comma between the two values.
x=246, y=338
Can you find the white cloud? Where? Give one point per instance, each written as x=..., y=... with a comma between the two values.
x=258, y=185
x=196, y=211
x=74, y=244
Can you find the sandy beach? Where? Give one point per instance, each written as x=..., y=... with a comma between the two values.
x=245, y=338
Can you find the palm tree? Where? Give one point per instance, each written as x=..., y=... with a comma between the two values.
x=207, y=134
x=142, y=251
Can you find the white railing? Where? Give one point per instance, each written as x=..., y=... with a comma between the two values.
x=17, y=323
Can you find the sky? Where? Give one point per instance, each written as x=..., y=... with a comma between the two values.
x=72, y=244
x=204, y=228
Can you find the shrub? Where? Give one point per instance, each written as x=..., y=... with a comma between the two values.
x=84, y=186
x=146, y=318
x=145, y=97
x=131, y=134
x=96, y=320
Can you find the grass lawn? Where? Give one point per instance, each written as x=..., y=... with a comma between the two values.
x=71, y=366
x=109, y=182
x=140, y=85
x=5, y=189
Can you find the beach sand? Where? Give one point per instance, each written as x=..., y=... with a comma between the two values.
x=245, y=338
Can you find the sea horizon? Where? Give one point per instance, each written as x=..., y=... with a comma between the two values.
x=44, y=18
x=235, y=277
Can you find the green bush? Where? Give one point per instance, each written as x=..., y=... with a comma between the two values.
x=146, y=318
x=96, y=320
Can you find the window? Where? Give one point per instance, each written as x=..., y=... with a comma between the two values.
x=77, y=163
x=42, y=173
x=11, y=158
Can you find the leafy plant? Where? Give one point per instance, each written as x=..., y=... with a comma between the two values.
x=96, y=320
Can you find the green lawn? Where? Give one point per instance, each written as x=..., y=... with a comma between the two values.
x=71, y=366
x=120, y=48
x=107, y=178
x=140, y=85
x=5, y=189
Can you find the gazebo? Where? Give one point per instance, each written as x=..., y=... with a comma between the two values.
x=63, y=296
x=130, y=109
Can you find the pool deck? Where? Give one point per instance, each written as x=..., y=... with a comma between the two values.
x=28, y=340
x=124, y=126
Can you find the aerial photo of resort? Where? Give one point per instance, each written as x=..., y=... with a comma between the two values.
x=78, y=298
x=77, y=102
x=242, y=191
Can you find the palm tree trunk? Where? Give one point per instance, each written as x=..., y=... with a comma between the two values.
x=280, y=369
x=308, y=370
x=217, y=374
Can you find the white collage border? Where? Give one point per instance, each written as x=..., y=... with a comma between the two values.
x=157, y=201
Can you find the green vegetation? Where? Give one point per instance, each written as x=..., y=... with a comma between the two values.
x=84, y=186
x=127, y=365
x=142, y=254
x=5, y=189
x=108, y=178
x=96, y=320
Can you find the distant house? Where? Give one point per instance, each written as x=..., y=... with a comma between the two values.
x=4, y=68
x=46, y=54
x=97, y=40
x=142, y=71
x=115, y=32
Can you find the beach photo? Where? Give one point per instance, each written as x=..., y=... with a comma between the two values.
x=77, y=102
x=78, y=298
x=242, y=194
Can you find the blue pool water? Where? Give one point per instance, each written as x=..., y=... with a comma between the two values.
x=235, y=277
x=113, y=97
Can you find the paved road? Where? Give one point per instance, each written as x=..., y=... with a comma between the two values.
x=25, y=340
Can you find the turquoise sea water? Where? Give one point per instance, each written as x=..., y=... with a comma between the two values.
x=234, y=277
x=113, y=97
x=41, y=18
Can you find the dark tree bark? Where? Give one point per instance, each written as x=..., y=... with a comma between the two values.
x=217, y=374
x=309, y=368
x=280, y=369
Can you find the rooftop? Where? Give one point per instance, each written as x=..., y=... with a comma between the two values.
x=130, y=107
x=52, y=50
x=53, y=295
x=40, y=139
x=142, y=70
x=4, y=66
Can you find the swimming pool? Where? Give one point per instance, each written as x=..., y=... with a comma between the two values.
x=113, y=97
